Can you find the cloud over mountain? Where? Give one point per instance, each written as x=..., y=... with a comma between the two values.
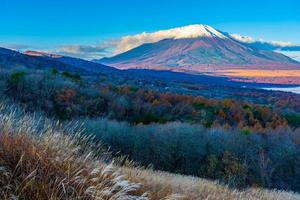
x=267, y=45
x=192, y=31
x=245, y=39
x=84, y=51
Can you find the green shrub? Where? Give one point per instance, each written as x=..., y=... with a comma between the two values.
x=74, y=77
x=293, y=120
x=246, y=131
x=16, y=81
x=54, y=71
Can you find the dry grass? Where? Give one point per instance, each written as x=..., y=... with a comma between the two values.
x=162, y=183
x=43, y=163
x=41, y=160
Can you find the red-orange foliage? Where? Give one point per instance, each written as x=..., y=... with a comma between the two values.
x=66, y=96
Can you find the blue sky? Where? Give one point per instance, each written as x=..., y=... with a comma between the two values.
x=49, y=24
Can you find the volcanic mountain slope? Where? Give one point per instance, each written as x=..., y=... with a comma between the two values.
x=40, y=60
x=199, y=48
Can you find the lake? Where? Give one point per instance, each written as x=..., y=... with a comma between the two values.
x=288, y=89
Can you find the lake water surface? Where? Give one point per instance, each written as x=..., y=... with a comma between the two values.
x=288, y=89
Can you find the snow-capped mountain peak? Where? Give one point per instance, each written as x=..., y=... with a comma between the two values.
x=193, y=31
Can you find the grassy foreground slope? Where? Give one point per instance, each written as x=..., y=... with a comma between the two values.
x=161, y=183
x=41, y=159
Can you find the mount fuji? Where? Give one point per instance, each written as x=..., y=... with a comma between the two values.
x=198, y=48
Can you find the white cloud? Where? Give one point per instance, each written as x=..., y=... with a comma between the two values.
x=282, y=43
x=248, y=39
x=245, y=39
x=86, y=51
x=16, y=47
x=292, y=54
x=74, y=49
x=192, y=31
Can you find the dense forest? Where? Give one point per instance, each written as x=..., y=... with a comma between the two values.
x=67, y=97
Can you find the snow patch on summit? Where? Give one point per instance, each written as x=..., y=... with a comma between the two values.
x=193, y=31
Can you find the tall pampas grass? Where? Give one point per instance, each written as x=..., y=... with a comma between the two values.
x=40, y=159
